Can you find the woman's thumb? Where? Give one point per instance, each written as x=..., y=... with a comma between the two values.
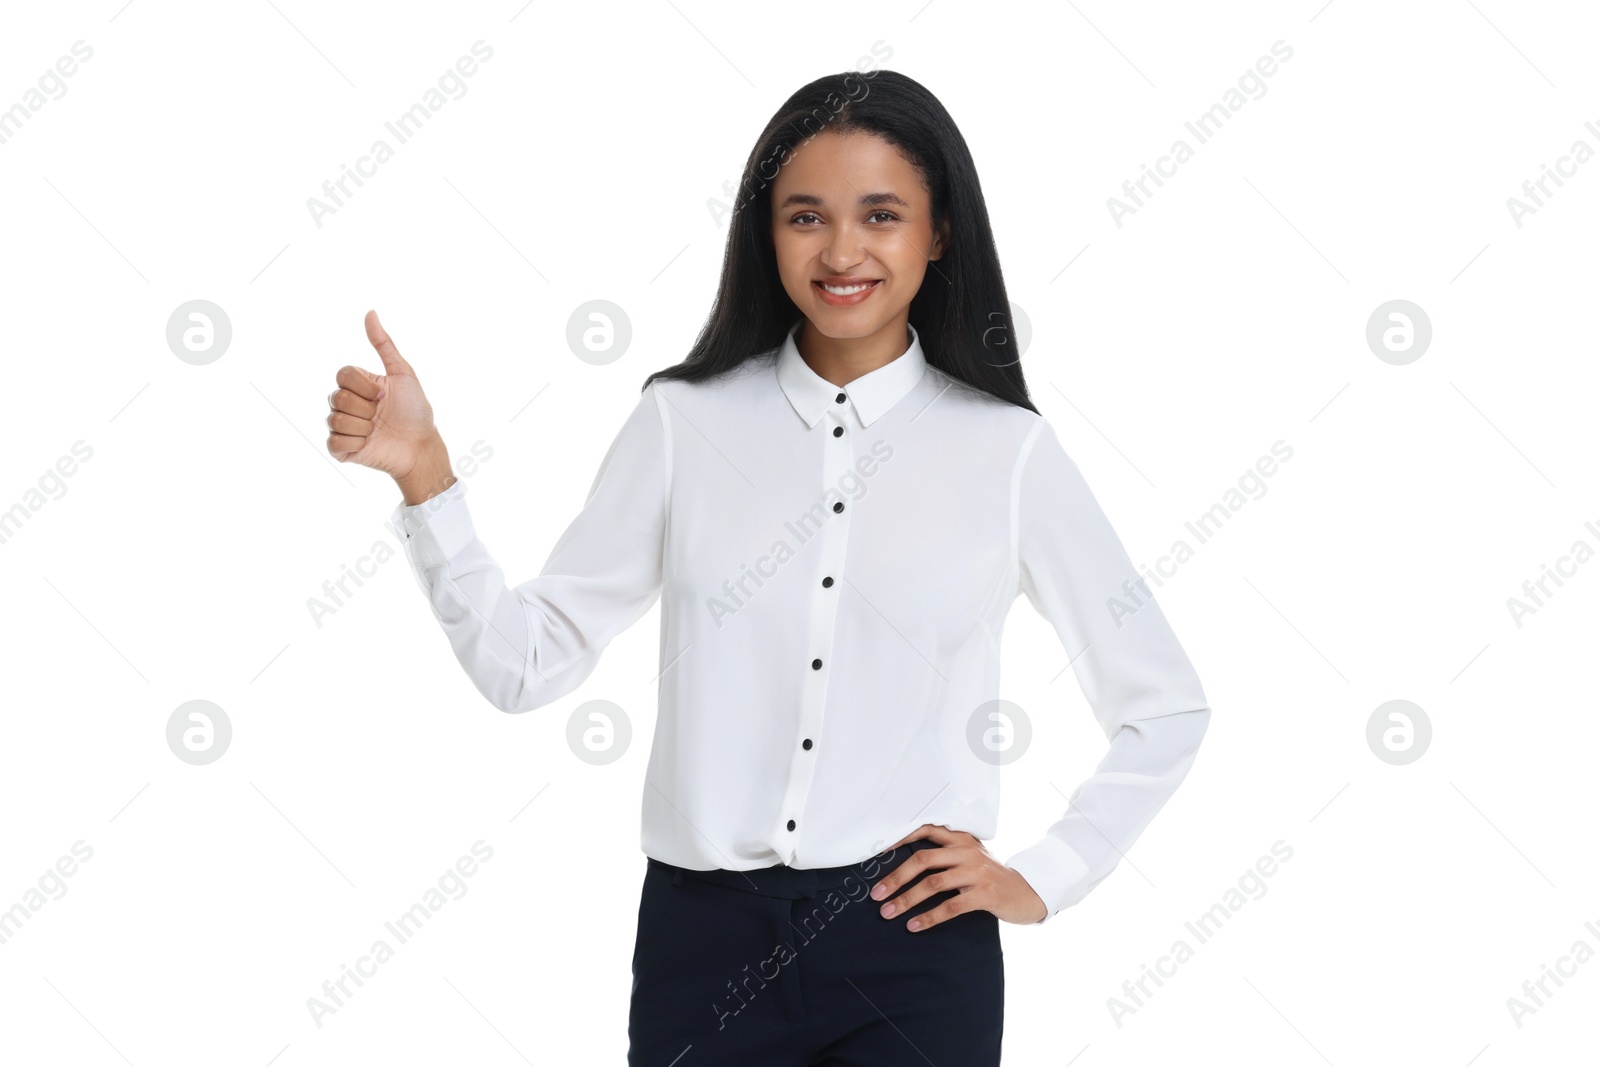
x=393, y=362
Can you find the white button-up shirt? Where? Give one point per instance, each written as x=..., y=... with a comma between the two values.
x=835, y=565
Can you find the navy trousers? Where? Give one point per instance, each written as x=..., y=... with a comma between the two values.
x=795, y=967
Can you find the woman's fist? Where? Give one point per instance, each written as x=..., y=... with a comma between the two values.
x=381, y=421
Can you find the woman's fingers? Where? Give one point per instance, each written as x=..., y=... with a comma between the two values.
x=953, y=865
x=351, y=404
x=345, y=423
x=350, y=431
x=360, y=382
x=945, y=872
x=378, y=420
x=340, y=446
x=909, y=868
x=948, y=910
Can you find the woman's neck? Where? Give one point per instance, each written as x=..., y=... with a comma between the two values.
x=841, y=360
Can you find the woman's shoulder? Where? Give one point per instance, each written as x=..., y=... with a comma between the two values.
x=741, y=375
x=980, y=408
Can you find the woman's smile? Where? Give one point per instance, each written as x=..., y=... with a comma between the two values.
x=846, y=293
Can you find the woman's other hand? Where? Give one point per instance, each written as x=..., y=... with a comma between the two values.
x=961, y=862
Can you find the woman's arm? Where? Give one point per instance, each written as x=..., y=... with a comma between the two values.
x=527, y=646
x=1140, y=685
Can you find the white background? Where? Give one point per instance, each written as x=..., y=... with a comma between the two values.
x=1170, y=353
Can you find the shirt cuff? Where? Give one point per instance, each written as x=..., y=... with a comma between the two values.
x=1054, y=871
x=436, y=529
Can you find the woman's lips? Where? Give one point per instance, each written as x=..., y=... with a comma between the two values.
x=846, y=299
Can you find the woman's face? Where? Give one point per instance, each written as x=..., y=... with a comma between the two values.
x=848, y=209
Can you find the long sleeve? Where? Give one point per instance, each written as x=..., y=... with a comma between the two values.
x=527, y=646
x=1137, y=680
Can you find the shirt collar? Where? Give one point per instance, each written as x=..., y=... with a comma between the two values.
x=872, y=394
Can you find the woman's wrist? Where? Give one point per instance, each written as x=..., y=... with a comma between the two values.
x=430, y=476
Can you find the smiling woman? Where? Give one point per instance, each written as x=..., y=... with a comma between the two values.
x=861, y=314
x=853, y=233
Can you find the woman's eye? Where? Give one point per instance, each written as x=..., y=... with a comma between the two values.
x=889, y=216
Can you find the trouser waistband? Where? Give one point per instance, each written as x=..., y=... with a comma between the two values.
x=795, y=883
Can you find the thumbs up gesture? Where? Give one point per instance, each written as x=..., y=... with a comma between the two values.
x=384, y=421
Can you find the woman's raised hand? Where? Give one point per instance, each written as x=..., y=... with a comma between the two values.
x=384, y=421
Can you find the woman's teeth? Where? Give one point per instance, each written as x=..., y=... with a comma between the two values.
x=846, y=290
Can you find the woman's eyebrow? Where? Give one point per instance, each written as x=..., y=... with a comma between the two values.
x=869, y=200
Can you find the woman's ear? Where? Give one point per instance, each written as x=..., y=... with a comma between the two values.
x=941, y=240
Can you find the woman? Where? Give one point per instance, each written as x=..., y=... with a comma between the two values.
x=837, y=496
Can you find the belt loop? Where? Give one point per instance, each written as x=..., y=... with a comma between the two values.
x=677, y=876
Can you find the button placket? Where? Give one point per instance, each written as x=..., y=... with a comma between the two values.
x=831, y=541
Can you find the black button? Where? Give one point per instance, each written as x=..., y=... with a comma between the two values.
x=806, y=744
x=839, y=506
x=838, y=431
x=839, y=399
x=816, y=664
x=826, y=582
x=791, y=824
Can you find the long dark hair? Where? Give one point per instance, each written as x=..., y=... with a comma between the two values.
x=961, y=315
